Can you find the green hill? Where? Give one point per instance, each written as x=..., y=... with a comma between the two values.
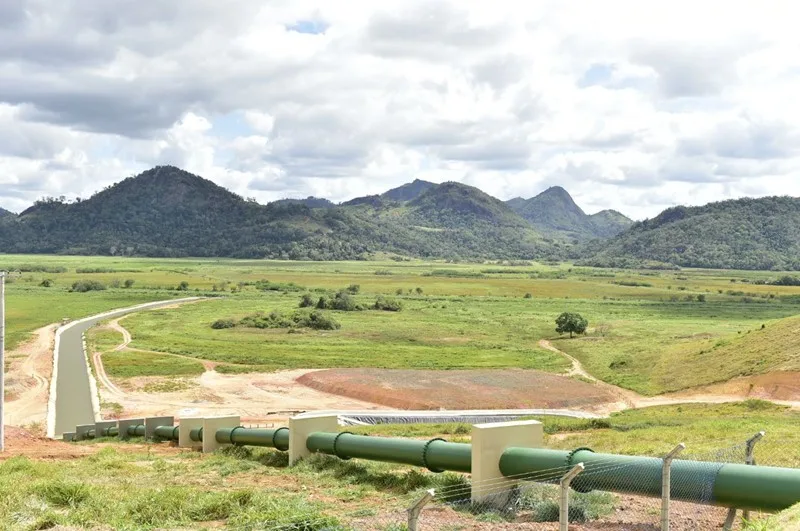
x=169, y=212
x=737, y=234
x=555, y=214
x=408, y=191
x=310, y=202
x=5, y=213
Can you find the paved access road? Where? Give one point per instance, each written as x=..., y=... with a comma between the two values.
x=71, y=391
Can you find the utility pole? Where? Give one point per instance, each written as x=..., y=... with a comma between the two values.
x=2, y=360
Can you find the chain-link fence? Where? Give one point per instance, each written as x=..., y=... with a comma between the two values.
x=607, y=493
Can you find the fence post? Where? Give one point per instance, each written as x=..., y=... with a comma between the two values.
x=563, y=510
x=666, y=482
x=415, y=510
x=749, y=459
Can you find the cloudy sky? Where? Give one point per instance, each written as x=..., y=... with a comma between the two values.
x=629, y=105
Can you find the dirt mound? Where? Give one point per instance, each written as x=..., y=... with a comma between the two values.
x=782, y=386
x=20, y=441
x=458, y=389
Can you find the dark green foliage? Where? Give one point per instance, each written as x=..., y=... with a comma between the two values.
x=6, y=214
x=353, y=289
x=418, y=290
x=307, y=301
x=183, y=286
x=31, y=268
x=528, y=296
x=554, y=213
x=82, y=286
x=316, y=320
x=787, y=280
x=574, y=323
x=310, y=202
x=129, y=283
x=408, y=191
x=342, y=301
x=46, y=283
x=266, y=285
x=739, y=234
x=221, y=324
x=387, y=304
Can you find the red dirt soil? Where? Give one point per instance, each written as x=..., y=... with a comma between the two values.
x=458, y=389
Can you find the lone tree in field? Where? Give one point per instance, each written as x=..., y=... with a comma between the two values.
x=574, y=323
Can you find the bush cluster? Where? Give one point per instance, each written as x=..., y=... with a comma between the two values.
x=82, y=286
x=316, y=320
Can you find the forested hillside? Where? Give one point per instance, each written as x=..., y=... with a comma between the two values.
x=169, y=212
x=739, y=234
x=555, y=214
x=5, y=213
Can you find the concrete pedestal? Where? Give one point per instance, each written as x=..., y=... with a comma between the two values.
x=68, y=436
x=489, y=441
x=151, y=423
x=185, y=426
x=210, y=427
x=301, y=427
x=82, y=431
x=102, y=425
x=124, y=424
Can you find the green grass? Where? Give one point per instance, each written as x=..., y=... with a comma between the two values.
x=469, y=315
x=130, y=364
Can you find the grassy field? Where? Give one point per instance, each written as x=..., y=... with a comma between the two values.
x=648, y=331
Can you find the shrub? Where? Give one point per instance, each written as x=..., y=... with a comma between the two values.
x=387, y=304
x=183, y=286
x=82, y=286
x=418, y=290
x=221, y=324
x=528, y=296
x=322, y=303
x=129, y=283
x=320, y=321
x=46, y=283
x=701, y=298
x=307, y=301
x=353, y=289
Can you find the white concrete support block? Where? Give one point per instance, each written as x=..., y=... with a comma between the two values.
x=301, y=427
x=210, y=427
x=151, y=423
x=124, y=424
x=185, y=426
x=102, y=425
x=82, y=431
x=489, y=441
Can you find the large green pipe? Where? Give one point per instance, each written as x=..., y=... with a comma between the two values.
x=726, y=485
x=112, y=431
x=166, y=433
x=241, y=436
x=196, y=434
x=136, y=431
x=436, y=455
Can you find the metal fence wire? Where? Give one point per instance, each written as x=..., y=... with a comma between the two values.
x=606, y=494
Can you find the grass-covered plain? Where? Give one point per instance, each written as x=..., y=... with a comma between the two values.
x=651, y=331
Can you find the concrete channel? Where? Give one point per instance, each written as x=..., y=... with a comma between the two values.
x=73, y=394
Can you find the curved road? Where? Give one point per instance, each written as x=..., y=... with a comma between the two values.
x=71, y=401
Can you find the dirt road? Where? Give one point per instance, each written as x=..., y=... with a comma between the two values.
x=28, y=378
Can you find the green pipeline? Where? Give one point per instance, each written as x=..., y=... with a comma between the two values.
x=166, y=433
x=720, y=484
x=436, y=455
x=727, y=485
x=241, y=436
x=136, y=431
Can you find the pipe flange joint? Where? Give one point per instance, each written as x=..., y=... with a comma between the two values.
x=576, y=484
x=425, y=456
x=230, y=435
x=175, y=432
x=275, y=436
x=336, y=440
x=200, y=434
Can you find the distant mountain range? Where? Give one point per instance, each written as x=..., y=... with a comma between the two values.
x=166, y=211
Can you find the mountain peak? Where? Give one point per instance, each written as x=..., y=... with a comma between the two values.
x=5, y=213
x=408, y=191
